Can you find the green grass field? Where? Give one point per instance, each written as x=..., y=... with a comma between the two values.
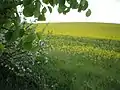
x=85, y=56
x=94, y=30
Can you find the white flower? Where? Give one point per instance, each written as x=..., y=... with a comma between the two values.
x=42, y=43
x=46, y=61
x=12, y=69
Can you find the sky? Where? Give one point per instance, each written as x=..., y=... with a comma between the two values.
x=107, y=11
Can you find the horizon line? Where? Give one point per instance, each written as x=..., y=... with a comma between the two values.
x=73, y=22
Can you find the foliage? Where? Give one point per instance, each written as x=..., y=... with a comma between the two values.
x=18, y=61
x=10, y=18
x=22, y=56
x=37, y=8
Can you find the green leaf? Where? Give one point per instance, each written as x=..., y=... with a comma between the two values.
x=55, y=2
x=8, y=36
x=68, y=1
x=44, y=10
x=88, y=13
x=29, y=37
x=37, y=8
x=15, y=34
x=82, y=5
x=27, y=45
x=50, y=9
x=66, y=11
x=82, y=2
x=22, y=32
x=74, y=4
x=61, y=2
x=46, y=1
x=51, y=2
x=80, y=8
x=85, y=6
x=41, y=17
x=36, y=13
x=39, y=35
x=1, y=46
x=27, y=2
x=61, y=8
x=35, y=48
x=28, y=10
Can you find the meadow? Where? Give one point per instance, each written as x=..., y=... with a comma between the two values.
x=84, y=56
x=83, y=29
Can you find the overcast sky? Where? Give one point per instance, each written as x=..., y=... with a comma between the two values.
x=102, y=11
x=107, y=11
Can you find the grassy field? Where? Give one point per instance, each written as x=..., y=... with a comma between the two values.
x=94, y=30
x=84, y=56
